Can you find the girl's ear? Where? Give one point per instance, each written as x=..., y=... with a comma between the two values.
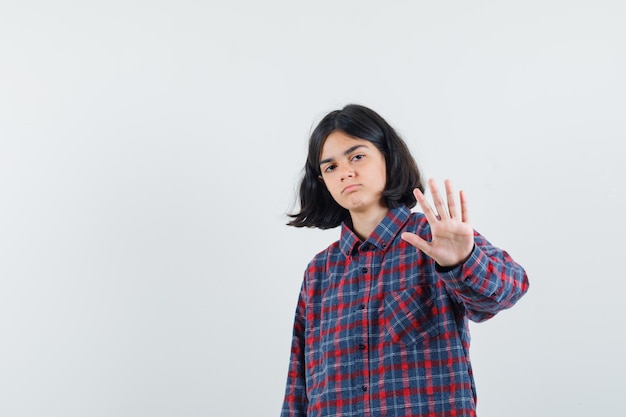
x=320, y=179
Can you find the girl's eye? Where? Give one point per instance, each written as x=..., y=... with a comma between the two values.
x=358, y=157
x=330, y=168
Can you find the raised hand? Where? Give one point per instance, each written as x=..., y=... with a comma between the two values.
x=452, y=236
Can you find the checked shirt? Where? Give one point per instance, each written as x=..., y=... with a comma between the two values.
x=380, y=330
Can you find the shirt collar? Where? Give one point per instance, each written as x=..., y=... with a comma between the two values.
x=381, y=237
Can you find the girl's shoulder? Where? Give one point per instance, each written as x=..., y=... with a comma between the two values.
x=332, y=251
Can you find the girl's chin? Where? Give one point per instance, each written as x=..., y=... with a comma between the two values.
x=362, y=207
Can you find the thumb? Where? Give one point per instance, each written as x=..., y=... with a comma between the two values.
x=416, y=241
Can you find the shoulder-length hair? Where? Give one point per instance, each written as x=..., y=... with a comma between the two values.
x=317, y=207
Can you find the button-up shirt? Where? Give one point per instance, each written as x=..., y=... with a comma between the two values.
x=381, y=330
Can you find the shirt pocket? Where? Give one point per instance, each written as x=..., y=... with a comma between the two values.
x=411, y=315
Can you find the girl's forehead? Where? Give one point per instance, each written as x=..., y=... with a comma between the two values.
x=339, y=141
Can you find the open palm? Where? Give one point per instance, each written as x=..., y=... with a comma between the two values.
x=452, y=236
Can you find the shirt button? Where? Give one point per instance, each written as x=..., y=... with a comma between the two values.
x=361, y=346
x=384, y=245
x=363, y=388
x=364, y=270
x=362, y=307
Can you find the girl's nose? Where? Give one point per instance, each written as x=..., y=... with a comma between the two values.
x=346, y=172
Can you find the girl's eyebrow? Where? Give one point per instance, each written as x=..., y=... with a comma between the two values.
x=346, y=152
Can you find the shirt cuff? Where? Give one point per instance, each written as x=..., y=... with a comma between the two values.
x=472, y=273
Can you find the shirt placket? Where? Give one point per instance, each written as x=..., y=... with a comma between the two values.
x=361, y=339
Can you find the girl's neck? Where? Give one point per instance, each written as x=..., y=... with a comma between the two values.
x=364, y=223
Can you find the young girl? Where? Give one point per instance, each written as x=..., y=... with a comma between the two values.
x=381, y=324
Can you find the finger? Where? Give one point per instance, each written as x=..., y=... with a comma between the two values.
x=442, y=211
x=464, y=208
x=451, y=200
x=431, y=216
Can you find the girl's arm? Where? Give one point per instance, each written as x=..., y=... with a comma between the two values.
x=487, y=282
x=296, y=402
x=479, y=276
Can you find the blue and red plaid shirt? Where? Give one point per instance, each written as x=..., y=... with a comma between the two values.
x=381, y=330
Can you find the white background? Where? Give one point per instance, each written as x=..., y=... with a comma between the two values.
x=149, y=151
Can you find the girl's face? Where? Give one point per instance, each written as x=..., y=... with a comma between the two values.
x=354, y=172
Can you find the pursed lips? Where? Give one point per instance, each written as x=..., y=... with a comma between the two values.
x=350, y=188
